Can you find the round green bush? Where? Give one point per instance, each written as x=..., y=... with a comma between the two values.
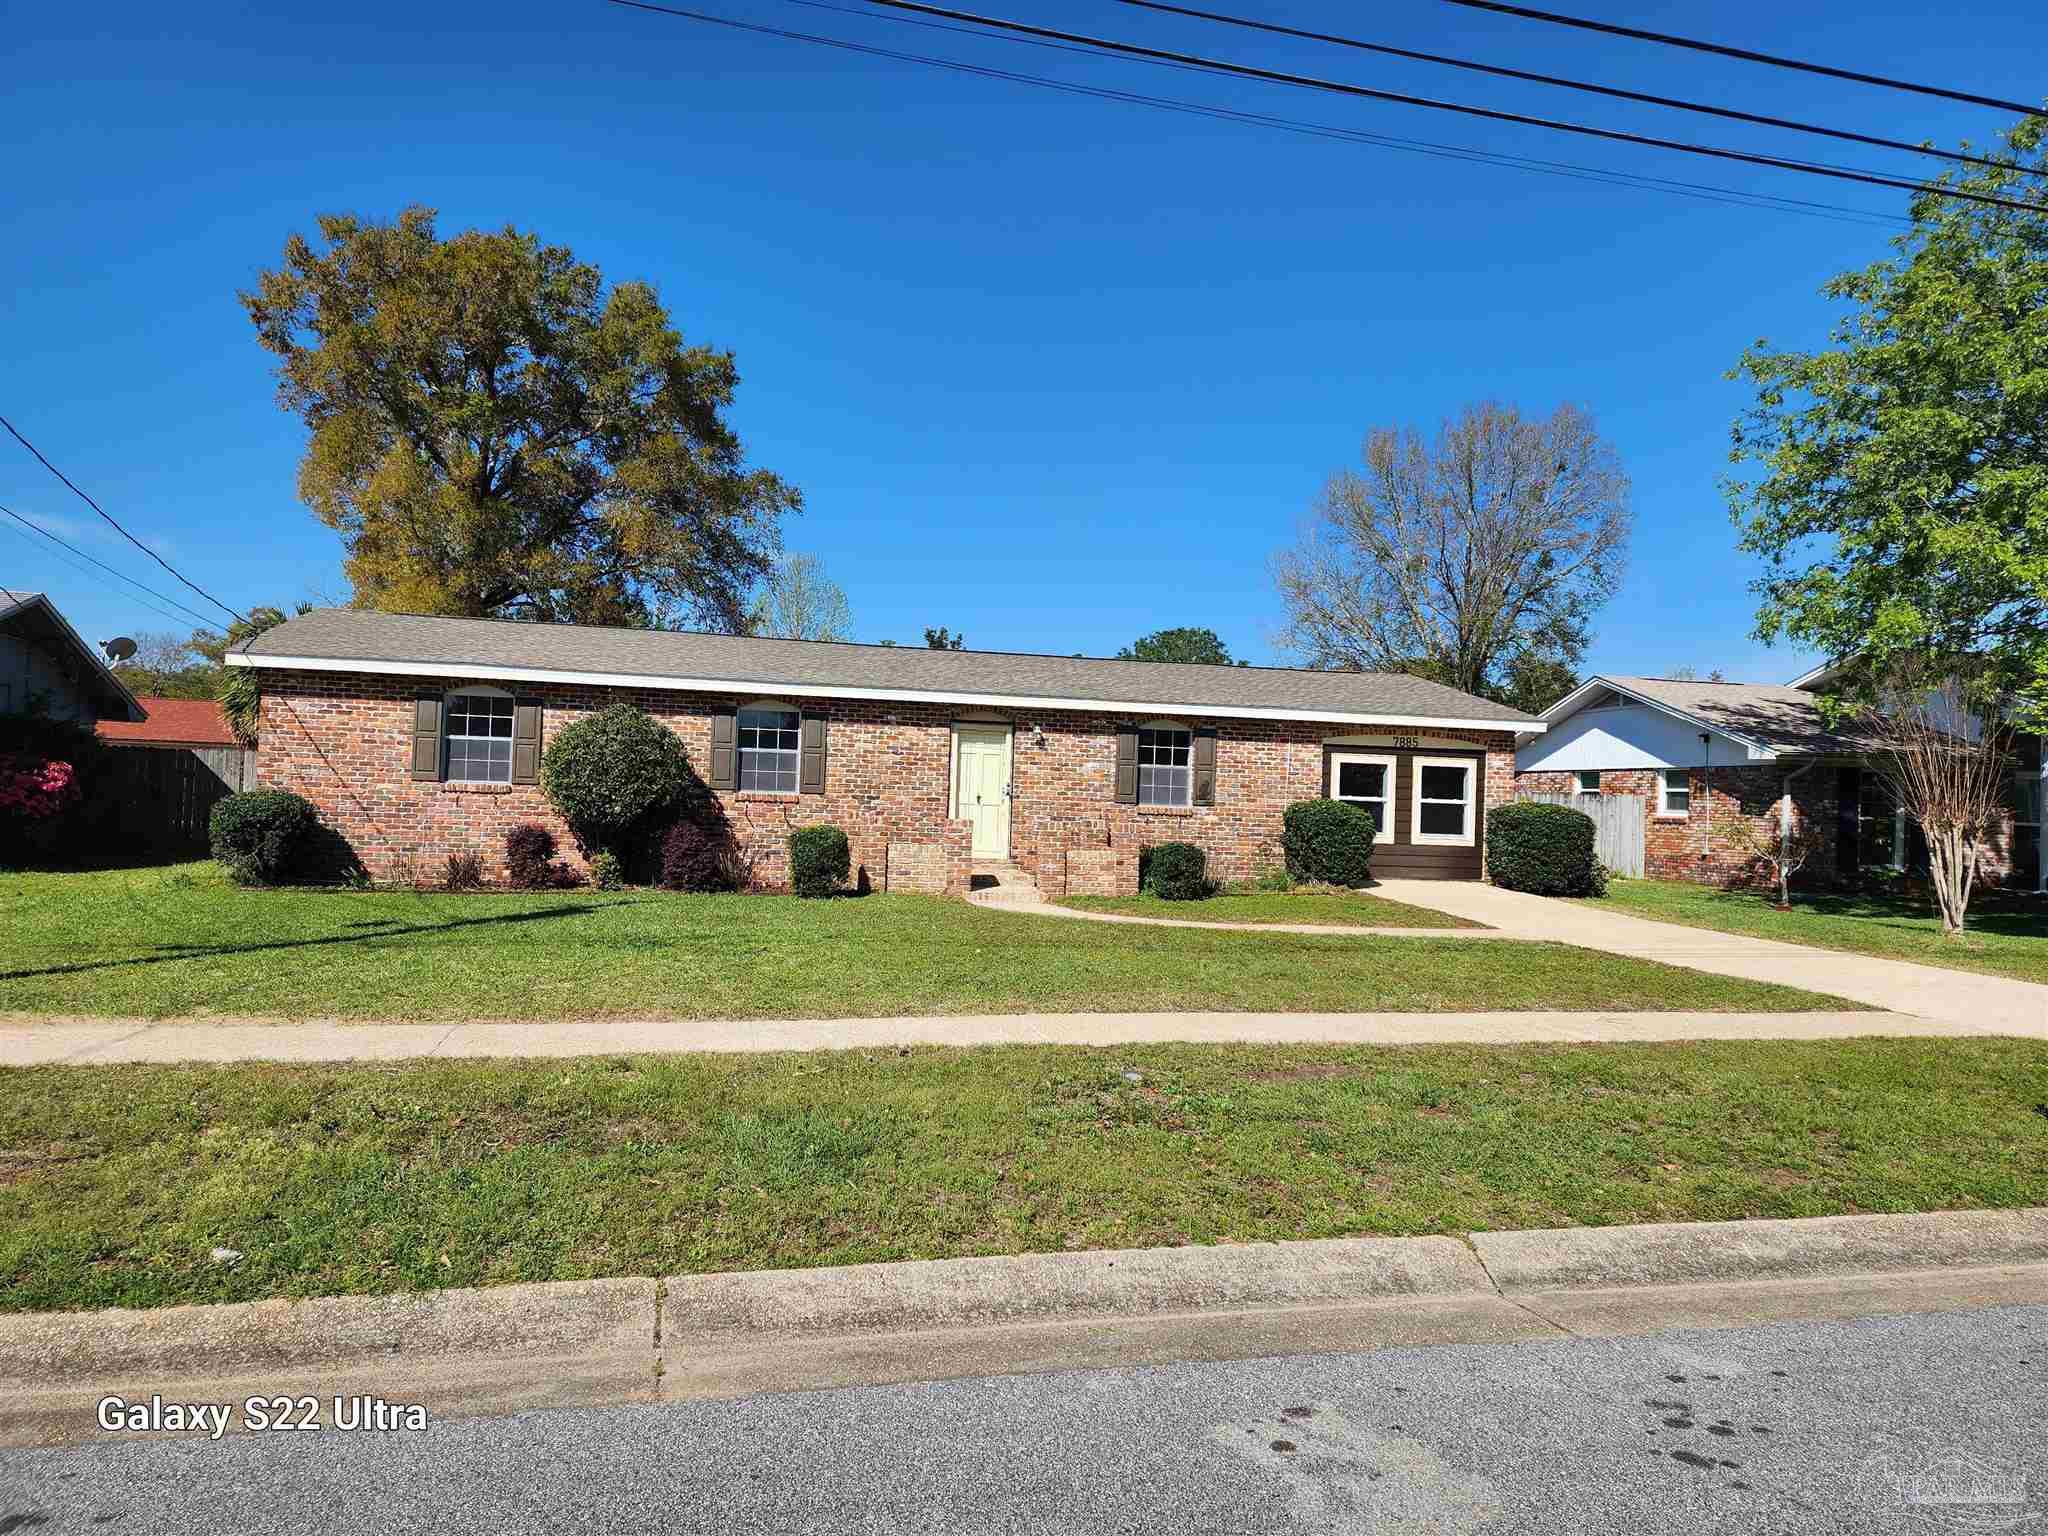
x=259, y=834
x=1176, y=872
x=819, y=860
x=613, y=774
x=1329, y=841
x=1544, y=849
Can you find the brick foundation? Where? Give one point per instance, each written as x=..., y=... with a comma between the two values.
x=1099, y=872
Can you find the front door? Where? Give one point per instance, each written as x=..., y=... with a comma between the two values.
x=981, y=786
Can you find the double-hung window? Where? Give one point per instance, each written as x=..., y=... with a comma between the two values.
x=1674, y=792
x=1366, y=780
x=479, y=738
x=1165, y=765
x=769, y=736
x=1445, y=791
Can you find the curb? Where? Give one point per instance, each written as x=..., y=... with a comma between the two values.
x=595, y=1342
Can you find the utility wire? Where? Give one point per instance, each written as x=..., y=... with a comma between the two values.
x=1495, y=114
x=148, y=603
x=1726, y=52
x=159, y=559
x=117, y=575
x=1727, y=196
x=1613, y=91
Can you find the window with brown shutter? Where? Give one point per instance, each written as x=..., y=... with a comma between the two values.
x=725, y=769
x=1127, y=767
x=426, y=736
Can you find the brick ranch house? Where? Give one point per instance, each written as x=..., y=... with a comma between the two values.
x=1705, y=757
x=417, y=737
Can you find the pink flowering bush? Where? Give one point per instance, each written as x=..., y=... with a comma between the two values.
x=37, y=790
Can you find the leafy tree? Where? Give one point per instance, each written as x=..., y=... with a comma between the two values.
x=240, y=695
x=799, y=602
x=494, y=433
x=1896, y=480
x=165, y=666
x=1456, y=558
x=1692, y=675
x=943, y=639
x=1532, y=682
x=1202, y=647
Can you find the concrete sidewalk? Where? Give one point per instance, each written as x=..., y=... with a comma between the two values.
x=1983, y=1004
x=35, y=1042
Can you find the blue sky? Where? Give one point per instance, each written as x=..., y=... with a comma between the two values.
x=1051, y=372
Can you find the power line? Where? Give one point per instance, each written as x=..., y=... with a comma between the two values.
x=1495, y=114
x=1726, y=52
x=159, y=559
x=154, y=607
x=1567, y=83
x=117, y=575
x=1727, y=196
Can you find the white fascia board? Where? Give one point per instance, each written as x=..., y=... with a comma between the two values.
x=882, y=695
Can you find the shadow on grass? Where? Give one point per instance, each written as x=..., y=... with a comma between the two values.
x=1999, y=916
x=374, y=929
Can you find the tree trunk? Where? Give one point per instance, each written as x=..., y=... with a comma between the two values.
x=1950, y=864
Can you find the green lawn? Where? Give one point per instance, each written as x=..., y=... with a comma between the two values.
x=178, y=940
x=117, y=1182
x=1348, y=908
x=2003, y=936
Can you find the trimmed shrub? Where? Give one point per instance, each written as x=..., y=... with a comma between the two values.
x=259, y=834
x=606, y=873
x=1176, y=872
x=465, y=872
x=1329, y=841
x=530, y=860
x=1546, y=850
x=616, y=773
x=819, y=860
x=700, y=857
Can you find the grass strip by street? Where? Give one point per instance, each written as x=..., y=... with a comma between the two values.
x=1349, y=909
x=117, y=1183
x=2003, y=937
x=179, y=941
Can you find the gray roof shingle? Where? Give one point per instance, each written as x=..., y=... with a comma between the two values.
x=1773, y=715
x=458, y=645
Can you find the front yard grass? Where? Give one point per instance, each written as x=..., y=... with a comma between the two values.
x=116, y=1183
x=181, y=941
x=1346, y=908
x=2003, y=935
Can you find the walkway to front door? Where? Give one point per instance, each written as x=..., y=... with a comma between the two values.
x=981, y=786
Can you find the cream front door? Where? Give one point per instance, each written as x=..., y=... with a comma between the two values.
x=981, y=786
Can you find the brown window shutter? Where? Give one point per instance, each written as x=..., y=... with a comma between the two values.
x=810, y=776
x=1205, y=767
x=1126, y=767
x=426, y=736
x=526, y=741
x=725, y=756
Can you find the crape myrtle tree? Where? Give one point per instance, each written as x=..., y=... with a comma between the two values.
x=496, y=433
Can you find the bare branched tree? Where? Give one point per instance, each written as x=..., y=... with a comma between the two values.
x=1786, y=843
x=1937, y=741
x=1456, y=558
x=798, y=601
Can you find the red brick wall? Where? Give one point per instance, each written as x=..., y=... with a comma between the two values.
x=343, y=740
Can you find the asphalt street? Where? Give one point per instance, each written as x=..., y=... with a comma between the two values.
x=1910, y=1424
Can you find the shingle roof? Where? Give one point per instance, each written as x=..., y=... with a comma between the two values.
x=414, y=642
x=172, y=722
x=1773, y=715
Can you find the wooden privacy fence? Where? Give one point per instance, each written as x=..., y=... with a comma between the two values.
x=1617, y=827
x=164, y=795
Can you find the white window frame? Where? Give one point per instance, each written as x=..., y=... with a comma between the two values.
x=1580, y=787
x=1664, y=788
x=1383, y=829
x=1470, y=836
x=739, y=753
x=449, y=738
x=1187, y=783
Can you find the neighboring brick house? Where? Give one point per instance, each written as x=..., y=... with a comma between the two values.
x=418, y=737
x=1705, y=757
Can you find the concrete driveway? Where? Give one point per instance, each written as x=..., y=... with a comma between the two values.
x=1991, y=1004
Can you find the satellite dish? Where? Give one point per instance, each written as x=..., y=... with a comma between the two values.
x=118, y=649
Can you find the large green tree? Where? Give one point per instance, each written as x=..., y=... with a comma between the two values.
x=1895, y=482
x=1204, y=647
x=497, y=433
